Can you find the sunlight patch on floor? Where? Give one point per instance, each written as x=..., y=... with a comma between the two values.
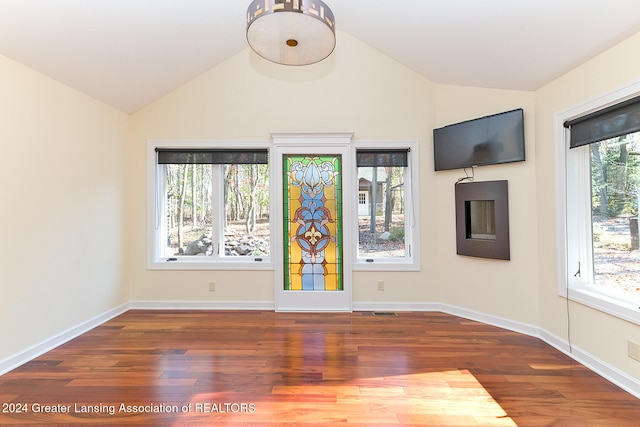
x=452, y=397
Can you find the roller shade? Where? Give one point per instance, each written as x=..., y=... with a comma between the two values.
x=616, y=120
x=382, y=158
x=212, y=156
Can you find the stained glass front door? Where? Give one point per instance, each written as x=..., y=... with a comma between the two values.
x=312, y=276
x=312, y=196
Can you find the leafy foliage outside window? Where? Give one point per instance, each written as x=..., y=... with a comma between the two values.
x=615, y=193
x=382, y=222
x=246, y=206
x=194, y=227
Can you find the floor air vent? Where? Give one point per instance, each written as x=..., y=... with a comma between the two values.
x=384, y=313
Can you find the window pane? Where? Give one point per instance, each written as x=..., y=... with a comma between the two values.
x=246, y=206
x=381, y=212
x=189, y=215
x=615, y=184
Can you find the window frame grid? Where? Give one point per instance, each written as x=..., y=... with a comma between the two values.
x=156, y=232
x=411, y=261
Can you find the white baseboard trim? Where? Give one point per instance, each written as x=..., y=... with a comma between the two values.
x=601, y=368
x=611, y=373
x=202, y=305
x=395, y=306
x=500, y=322
x=449, y=309
x=36, y=350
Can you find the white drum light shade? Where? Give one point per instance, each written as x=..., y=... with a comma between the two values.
x=291, y=32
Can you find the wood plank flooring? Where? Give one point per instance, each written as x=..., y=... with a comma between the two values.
x=260, y=368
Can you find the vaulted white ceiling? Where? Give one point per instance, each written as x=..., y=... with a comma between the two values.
x=128, y=53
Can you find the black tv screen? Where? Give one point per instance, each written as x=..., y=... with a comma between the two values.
x=485, y=141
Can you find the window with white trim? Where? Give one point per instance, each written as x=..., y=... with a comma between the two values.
x=211, y=206
x=388, y=234
x=602, y=150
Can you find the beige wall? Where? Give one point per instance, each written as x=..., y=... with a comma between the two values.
x=507, y=289
x=360, y=90
x=357, y=89
x=603, y=336
x=62, y=207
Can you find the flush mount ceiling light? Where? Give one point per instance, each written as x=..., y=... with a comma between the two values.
x=291, y=32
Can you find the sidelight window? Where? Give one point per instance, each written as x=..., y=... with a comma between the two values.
x=387, y=206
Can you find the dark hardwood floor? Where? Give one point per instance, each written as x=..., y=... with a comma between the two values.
x=260, y=368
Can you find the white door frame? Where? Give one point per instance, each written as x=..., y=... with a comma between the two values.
x=313, y=143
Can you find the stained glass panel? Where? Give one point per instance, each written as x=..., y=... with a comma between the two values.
x=312, y=222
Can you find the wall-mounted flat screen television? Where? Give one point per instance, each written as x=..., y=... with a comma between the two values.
x=489, y=140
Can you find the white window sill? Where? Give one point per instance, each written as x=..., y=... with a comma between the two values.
x=385, y=265
x=618, y=304
x=202, y=263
